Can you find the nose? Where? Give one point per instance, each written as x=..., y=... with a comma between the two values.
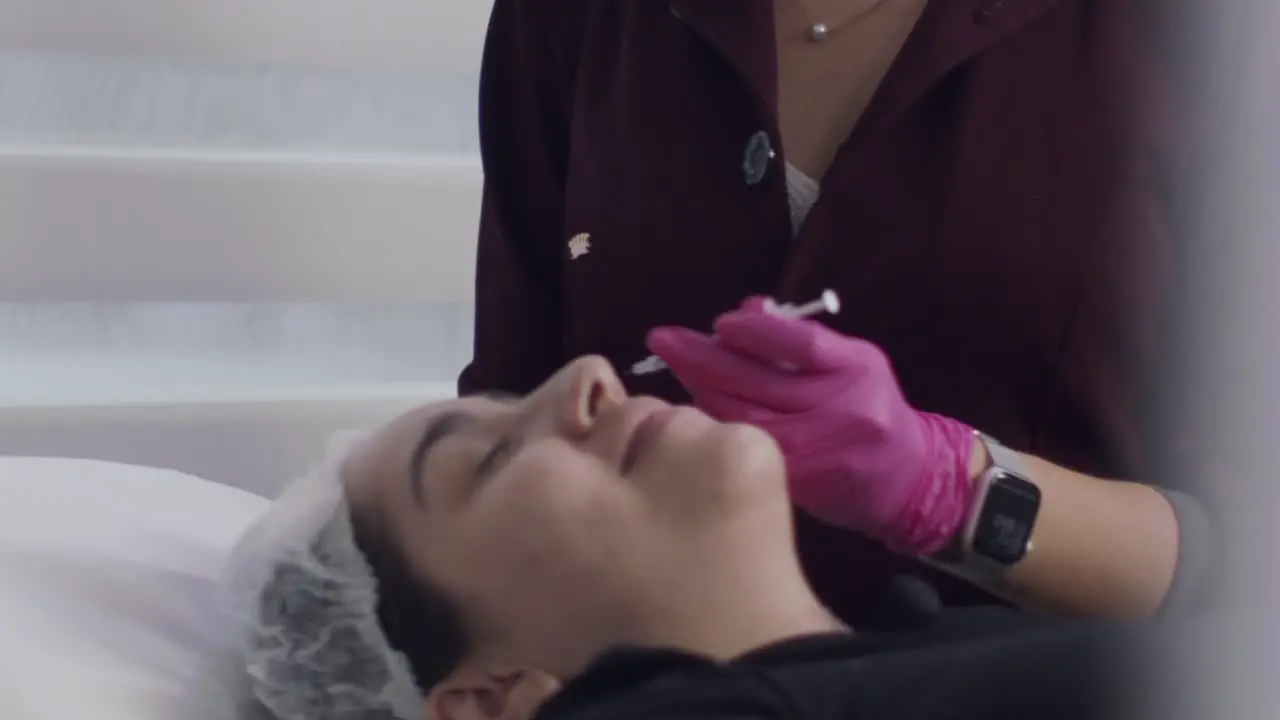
x=591, y=387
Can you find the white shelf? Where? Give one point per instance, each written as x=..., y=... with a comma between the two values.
x=119, y=381
x=388, y=35
x=142, y=104
x=398, y=394
x=240, y=227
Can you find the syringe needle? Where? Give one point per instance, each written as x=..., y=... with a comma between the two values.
x=828, y=302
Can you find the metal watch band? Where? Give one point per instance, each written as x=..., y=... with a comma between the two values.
x=1002, y=457
x=963, y=560
x=960, y=558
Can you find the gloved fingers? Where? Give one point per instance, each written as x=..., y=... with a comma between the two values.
x=700, y=363
x=817, y=485
x=803, y=345
x=827, y=491
x=803, y=433
x=798, y=434
x=728, y=408
x=703, y=365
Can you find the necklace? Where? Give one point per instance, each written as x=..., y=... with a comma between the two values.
x=819, y=31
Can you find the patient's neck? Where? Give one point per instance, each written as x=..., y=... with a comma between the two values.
x=753, y=625
x=747, y=612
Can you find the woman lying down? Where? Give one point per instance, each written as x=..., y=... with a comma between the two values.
x=580, y=554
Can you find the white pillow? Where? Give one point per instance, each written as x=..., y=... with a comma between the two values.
x=105, y=572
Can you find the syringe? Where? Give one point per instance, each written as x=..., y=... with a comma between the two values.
x=829, y=302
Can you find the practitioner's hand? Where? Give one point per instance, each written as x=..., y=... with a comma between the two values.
x=858, y=455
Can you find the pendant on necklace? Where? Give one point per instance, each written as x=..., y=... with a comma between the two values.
x=818, y=32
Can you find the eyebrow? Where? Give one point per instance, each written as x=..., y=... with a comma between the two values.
x=444, y=426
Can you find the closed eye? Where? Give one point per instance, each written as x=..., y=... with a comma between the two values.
x=499, y=452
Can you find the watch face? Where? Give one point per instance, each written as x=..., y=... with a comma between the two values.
x=1003, y=531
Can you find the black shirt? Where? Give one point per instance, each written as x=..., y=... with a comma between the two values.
x=974, y=664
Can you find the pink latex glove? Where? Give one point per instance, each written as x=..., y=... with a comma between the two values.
x=858, y=455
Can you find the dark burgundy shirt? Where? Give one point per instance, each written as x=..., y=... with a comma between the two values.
x=998, y=222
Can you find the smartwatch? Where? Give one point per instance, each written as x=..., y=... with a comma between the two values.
x=997, y=532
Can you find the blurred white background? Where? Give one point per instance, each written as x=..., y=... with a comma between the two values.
x=329, y=118
x=364, y=82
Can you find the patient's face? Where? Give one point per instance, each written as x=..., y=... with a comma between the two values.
x=576, y=510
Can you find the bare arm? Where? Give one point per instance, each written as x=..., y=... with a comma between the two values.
x=1102, y=548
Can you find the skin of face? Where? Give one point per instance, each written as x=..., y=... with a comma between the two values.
x=578, y=517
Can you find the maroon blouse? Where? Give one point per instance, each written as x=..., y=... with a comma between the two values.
x=997, y=222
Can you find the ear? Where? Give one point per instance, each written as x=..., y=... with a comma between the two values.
x=473, y=694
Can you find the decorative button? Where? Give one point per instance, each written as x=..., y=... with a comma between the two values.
x=757, y=157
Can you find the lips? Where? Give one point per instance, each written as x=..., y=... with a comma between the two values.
x=646, y=431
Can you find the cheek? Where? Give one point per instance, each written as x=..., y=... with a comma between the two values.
x=552, y=478
x=547, y=507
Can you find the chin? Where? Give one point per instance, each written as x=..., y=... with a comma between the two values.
x=751, y=455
